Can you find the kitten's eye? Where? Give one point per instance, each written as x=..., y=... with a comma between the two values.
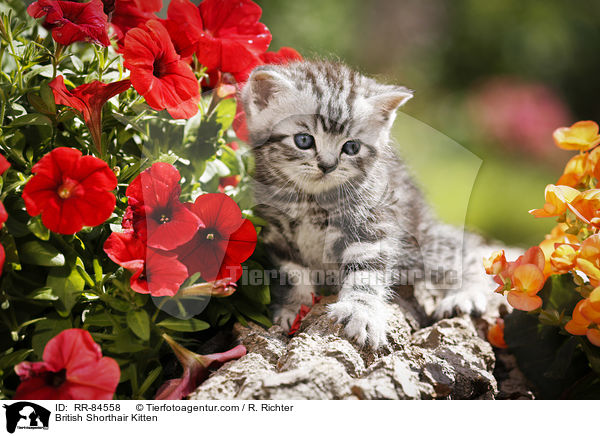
x=304, y=141
x=351, y=147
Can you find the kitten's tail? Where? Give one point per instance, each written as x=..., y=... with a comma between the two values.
x=453, y=268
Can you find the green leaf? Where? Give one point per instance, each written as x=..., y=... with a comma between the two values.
x=255, y=288
x=152, y=376
x=101, y=319
x=118, y=304
x=563, y=358
x=536, y=348
x=252, y=311
x=184, y=325
x=40, y=253
x=561, y=294
x=225, y=112
x=31, y=120
x=67, y=284
x=48, y=97
x=593, y=355
x=125, y=343
x=44, y=293
x=8, y=361
x=10, y=250
x=139, y=323
x=36, y=227
x=38, y=103
x=45, y=330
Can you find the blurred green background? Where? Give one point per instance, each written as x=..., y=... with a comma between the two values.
x=492, y=80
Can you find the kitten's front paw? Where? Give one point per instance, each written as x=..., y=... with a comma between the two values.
x=285, y=315
x=362, y=323
x=471, y=302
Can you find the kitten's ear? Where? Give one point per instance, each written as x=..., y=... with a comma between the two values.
x=391, y=99
x=262, y=86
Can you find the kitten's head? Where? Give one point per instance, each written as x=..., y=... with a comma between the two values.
x=318, y=125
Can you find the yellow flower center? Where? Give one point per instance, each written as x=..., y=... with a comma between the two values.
x=65, y=190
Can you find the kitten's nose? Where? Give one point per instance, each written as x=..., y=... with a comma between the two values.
x=327, y=167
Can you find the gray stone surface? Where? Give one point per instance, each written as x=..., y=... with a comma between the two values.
x=446, y=360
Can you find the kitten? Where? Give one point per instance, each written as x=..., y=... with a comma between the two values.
x=337, y=198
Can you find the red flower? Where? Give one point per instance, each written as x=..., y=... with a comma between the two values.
x=71, y=21
x=228, y=181
x=149, y=5
x=158, y=73
x=128, y=15
x=73, y=369
x=154, y=272
x=224, y=34
x=195, y=369
x=70, y=191
x=4, y=165
x=225, y=241
x=156, y=214
x=284, y=56
x=88, y=100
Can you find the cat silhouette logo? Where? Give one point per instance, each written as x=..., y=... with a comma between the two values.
x=26, y=415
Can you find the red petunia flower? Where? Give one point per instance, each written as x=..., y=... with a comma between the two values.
x=149, y=5
x=154, y=272
x=88, y=100
x=228, y=181
x=195, y=369
x=4, y=165
x=128, y=15
x=285, y=55
x=225, y=34
x=225, y=241
x=156, y=213
x=73, y=369
x=71, y=21
x=158, y=73
x=70, y=191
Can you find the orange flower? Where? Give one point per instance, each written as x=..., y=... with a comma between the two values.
x=556, y=236
x=588, y=260
x=495, y=264
x=585, y=322
x=527, y=281
x=557, y=198
x=522, y=279
x=564, y=258
x=594, y=299
x=575, y=170
x=587, y=207
x=581, y=136
x=495, y=334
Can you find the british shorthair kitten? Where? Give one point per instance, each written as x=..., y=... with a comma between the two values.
x=341, y=206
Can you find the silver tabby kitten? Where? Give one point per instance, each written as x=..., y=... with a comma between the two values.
x=337, y=198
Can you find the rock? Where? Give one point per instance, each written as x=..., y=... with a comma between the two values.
x=448, y=360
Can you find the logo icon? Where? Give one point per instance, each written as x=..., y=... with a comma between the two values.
x=26, y=415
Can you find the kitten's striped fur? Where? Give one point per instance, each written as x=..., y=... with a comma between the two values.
x=366, y=218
